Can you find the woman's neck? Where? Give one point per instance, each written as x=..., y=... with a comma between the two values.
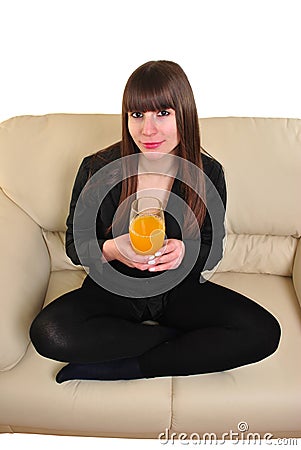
x=155, y=177
x=165, y=165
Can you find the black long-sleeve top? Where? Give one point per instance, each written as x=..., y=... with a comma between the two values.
x=90, y=248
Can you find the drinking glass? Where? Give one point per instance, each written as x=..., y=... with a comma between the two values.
x=147, y=225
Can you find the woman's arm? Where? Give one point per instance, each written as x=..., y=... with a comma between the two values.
x=86, y=243
x=216, y=197
x=93, y=245
x=194, y=255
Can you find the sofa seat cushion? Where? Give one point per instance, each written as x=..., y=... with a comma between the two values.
x=32, y=401
x=266, y=395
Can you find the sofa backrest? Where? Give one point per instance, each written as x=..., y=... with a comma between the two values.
x=262, y=162
x=40, y=155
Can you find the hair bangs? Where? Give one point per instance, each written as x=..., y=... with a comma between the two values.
x=147, y=95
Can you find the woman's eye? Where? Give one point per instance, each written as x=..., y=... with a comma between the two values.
x=136, y=114
x=163, y=113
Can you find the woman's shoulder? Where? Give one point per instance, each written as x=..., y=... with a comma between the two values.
x=99, y=159
x=211, y=166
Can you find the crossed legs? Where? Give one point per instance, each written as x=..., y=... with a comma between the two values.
x=214, y=329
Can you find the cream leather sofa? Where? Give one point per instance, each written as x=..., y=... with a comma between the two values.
x=39, y=157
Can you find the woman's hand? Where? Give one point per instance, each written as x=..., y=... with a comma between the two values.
x=169, y=257
x=120, y=248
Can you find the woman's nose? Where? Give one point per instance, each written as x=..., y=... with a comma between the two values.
x=149, y=126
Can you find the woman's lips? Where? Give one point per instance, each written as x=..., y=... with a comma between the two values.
x=151, y=145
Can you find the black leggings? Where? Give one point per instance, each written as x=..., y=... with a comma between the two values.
x=203, y=327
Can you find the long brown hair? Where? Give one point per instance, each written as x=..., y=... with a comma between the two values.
x=155, y=86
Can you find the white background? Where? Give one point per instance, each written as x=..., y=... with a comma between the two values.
x=242, y=58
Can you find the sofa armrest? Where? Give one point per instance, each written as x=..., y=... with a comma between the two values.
x=24, y=275
x=297, y=271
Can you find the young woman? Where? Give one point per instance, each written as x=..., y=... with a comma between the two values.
x=102, y=330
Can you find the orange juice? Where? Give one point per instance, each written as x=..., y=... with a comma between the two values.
x=147, y=234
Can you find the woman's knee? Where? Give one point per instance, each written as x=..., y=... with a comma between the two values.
x=266, y=334
x=47, y=335
x=273, y=334
x=37, y=333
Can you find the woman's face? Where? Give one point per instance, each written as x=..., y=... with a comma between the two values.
x=154, y=132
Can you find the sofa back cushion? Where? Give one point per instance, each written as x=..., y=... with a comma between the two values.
x=262, y=163
x=40, y=155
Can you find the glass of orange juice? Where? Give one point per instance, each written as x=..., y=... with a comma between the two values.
x=147, y=225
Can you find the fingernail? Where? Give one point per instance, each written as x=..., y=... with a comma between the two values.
x=152, y=269
x=158, y=254
x=152, y=261
x=151, y=257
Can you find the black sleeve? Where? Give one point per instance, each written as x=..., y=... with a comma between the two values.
x=89, y=247
x=210, y=252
